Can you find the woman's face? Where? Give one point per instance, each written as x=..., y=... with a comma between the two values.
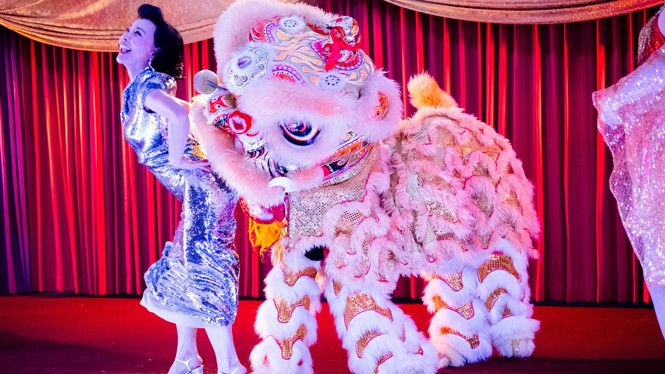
x=137, y=45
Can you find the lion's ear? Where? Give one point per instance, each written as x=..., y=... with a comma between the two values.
x=380, y=107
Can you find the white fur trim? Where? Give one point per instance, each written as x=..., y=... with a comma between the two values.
x=378, y=129
x=300, y=362
x=304, y=286
x=405, y=356
x=437, y=287
x=516, y=328
x=267, y=325
x=456, y=348
x=230, y=163
x=459, y=352
x=272, y=102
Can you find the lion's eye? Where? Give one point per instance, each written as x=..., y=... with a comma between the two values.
x=299, y=133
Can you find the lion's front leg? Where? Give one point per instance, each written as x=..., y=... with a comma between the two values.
x=286, y=321
x=377, y=335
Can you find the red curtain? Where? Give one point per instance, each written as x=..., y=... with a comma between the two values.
x=78, y=214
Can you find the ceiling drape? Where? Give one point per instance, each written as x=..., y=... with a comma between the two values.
x=95, y=25
x=526, y=11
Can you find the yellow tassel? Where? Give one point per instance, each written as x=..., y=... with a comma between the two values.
x=263, y=236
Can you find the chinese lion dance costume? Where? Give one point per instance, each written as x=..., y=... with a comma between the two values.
x=310, y=133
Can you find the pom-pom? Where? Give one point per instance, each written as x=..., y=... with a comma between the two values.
x=205, y=82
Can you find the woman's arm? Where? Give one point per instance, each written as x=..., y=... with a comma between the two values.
x=176, y=113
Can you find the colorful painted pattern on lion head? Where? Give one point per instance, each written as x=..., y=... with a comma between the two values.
x=307, y=89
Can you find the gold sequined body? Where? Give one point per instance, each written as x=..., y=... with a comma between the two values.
x=463, y=194
x=464, y=186
x=307, y=208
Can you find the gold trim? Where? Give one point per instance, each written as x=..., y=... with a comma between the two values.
x=286, y=345
x=466, y=310
x=291, y=279
x=453, y=281
x=364, y=340
x=493, y=297
x=361, y=302
x=473, y=341
x=497, y=262
x=381, y=360
x=285, y=310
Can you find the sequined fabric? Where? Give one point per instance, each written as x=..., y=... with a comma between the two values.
x=286, y=345
x=197, y=276
x=464, y=186
x=361, y=302
x=364, y=341
x=498, y=262
x=651, y=39
x=632, y=122
x=307, y=208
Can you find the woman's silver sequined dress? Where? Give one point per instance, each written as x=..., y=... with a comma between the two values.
x=195, y=283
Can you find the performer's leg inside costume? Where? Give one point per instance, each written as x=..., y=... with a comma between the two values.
x=459, y=327
x=377, y=335
x=286, y=321
x=503, y=286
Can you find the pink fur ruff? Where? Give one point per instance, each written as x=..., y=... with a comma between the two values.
x=464, y=184
x=230, y=163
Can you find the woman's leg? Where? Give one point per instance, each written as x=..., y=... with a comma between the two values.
x=186, y=355
x=658, y=297
x=221, y=339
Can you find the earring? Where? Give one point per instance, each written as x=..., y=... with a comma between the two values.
x=152, y=56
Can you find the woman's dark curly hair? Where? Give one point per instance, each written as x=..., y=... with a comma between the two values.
x=170, y=49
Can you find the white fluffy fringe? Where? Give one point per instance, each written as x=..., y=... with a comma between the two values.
x=268, y=350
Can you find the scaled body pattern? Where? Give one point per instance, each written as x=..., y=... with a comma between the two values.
x=311, y=135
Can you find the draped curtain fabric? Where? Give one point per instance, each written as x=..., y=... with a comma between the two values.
x=526, y=11
x=95, y=25
x=78, y=214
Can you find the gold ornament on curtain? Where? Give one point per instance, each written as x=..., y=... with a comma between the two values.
x=96, y=25
x=526, y=11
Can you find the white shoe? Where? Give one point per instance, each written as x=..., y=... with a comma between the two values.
x=196, y=370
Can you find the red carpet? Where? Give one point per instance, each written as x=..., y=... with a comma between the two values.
x=45, y=334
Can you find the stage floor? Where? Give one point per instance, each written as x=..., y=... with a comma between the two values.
x=57, y=334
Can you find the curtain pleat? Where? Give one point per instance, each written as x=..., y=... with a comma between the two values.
x=78, y=214
x=525, y=11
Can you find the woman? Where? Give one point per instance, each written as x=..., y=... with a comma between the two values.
x=195, y=283
x=632, y=122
